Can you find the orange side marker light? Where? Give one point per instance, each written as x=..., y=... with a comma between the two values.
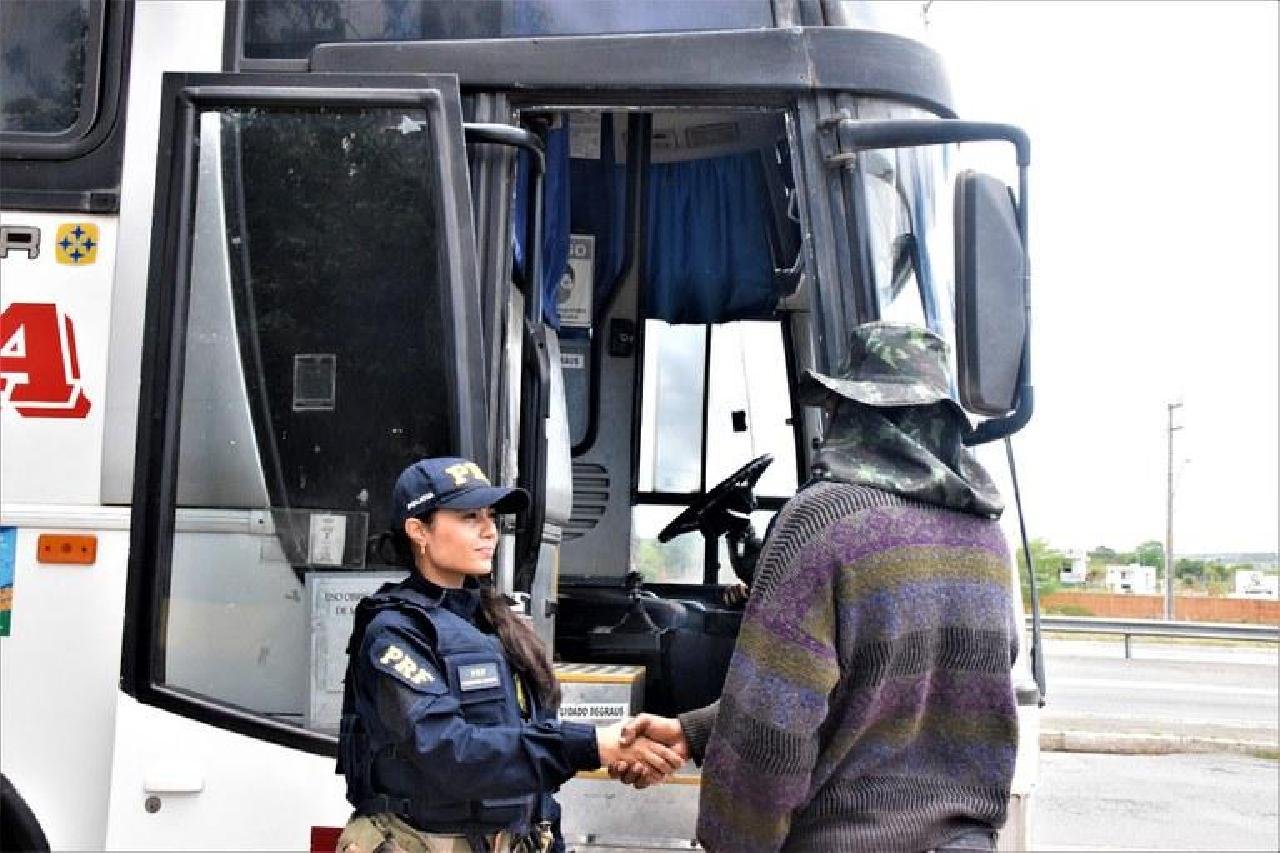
x=76, y=548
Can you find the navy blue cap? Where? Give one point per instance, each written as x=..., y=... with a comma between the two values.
x=448, y=482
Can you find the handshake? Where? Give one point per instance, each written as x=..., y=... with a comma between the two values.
x=643, y=750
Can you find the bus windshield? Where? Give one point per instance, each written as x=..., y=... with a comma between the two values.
x=289, y=29
x=908, y=235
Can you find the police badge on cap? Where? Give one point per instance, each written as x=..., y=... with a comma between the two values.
x=450, y=482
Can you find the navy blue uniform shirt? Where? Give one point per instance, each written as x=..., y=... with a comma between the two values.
x=453, y=716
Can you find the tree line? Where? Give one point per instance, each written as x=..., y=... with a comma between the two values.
x=1191, y=575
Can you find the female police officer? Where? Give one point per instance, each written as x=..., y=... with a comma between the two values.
x=449, y=737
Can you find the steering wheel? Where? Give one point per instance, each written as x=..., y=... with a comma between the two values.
x=699, y=514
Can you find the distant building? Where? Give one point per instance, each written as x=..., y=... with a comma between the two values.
x=1255, y=584
x=1134, y=579
x=1077, y=571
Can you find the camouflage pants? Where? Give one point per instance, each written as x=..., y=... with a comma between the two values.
x=387, y=833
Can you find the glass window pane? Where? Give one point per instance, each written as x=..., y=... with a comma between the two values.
x=315, y=370
x=677, y=561
x=283, y=29
x=671, y=407
x=681, y=560
x=749, y=410
x=919, y=208
x=891, y=240
x=749, y=407
x=43, y=45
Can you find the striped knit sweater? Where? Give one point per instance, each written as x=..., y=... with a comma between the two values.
x=869, y=704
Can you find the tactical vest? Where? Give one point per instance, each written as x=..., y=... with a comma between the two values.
x=380, y=777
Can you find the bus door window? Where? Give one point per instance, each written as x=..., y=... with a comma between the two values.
x=297, y=412
x=330, y=320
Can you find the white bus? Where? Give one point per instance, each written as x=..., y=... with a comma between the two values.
x=256, y=256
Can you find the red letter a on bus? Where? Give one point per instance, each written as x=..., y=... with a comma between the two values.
x=39, y=373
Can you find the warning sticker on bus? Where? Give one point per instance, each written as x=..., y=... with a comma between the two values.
x=573, y=295
x=594, y=712
x=8, y=537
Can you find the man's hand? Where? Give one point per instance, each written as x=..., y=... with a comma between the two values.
x=663, y=730
x=735, y=595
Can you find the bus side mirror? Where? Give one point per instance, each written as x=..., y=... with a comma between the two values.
x=991, y=297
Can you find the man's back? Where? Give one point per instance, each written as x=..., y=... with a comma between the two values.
x=869, y=704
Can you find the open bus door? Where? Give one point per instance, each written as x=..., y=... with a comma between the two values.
x=313, y=325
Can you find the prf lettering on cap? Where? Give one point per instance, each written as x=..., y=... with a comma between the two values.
x=407, y=667
x=464, y=471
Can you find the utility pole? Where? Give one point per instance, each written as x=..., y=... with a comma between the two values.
x=1168, y=521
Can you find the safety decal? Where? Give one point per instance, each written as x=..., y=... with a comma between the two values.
x=8, y=536
x=39, y=371
x=77, y=243
x=394, y=659
x=477, y=676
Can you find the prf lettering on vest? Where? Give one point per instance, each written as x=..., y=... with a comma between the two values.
x=464, y=471
x=405, y=665
x=39, y=371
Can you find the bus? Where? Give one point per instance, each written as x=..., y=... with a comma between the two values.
x=257, y=256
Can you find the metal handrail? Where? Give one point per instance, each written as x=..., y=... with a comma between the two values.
x=1160, y=628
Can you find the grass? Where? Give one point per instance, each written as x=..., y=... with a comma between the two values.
x=1068, y=610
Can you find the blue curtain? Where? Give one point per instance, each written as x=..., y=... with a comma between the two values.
x=555, y=217
x=597, y=190
x=708, y=258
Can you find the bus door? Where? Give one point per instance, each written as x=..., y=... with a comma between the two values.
x=676, y=318
x=313, y=325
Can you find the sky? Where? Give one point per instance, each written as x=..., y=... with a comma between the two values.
x=1154, y=260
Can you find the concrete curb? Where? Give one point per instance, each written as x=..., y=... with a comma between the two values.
x=1121, y=743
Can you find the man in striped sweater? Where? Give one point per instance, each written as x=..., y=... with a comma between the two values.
x=869, y=703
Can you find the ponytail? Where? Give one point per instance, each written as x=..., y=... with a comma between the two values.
x=524, y=650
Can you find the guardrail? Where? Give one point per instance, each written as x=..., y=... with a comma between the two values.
x=1159, y=628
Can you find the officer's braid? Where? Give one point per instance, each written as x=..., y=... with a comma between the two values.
x=524, y=650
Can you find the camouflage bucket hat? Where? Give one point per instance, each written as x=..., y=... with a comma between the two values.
x=889, y=364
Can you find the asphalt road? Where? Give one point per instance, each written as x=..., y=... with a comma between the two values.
x=1230, y=692
x=1156, y=802
x=1215, y=801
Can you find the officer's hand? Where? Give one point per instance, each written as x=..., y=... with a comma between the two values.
x=661, y=760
